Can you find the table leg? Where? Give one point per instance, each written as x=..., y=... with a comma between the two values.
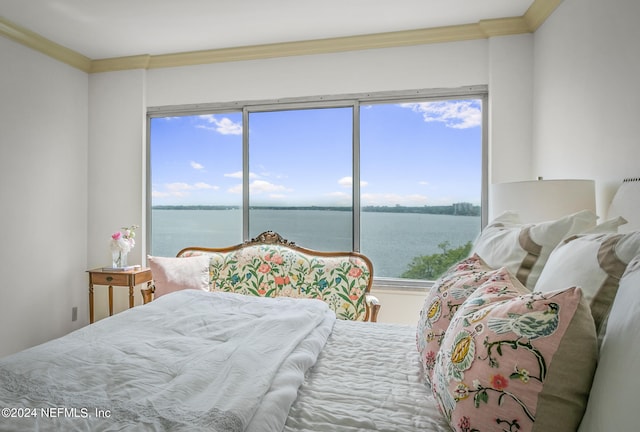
x=110, y=300
x=130, y=296
x=90, y=303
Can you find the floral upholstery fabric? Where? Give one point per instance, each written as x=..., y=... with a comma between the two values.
x=269, y=270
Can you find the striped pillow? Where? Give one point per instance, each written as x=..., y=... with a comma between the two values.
x=524, y=249
x=594, y=262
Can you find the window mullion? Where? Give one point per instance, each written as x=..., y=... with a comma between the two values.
x=245, y=174
x=356, y=177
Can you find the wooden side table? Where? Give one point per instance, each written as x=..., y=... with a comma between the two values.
x=111, y=278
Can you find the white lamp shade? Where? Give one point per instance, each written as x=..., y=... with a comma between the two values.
x=626, y=203
x=542, y=200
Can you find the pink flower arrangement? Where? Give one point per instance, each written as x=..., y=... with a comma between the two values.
x=124, y=241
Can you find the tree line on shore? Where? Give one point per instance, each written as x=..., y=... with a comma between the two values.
x=460, y=209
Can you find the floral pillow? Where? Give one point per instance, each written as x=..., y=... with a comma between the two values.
x=443, y=300
x=513, y=360
x=524, y=249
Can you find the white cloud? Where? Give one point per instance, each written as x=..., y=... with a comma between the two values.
x=263, y=186
x=348, y=182
x=237, y=189
x=196, y=165
x=158, y=194
x=454, y=114
x=181, y=189
x=260, y=187
x=224, y=126
x=178, y=187
x=202, y=185
x=238, y=175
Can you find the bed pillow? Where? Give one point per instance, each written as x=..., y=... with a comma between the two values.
x=613, y=401
x=513, y=360
x=175, y=274
x=442, y=301
x=608, y=226
x=595, y=263
x=524, y=249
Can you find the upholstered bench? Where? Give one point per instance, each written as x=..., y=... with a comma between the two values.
x=270, y=266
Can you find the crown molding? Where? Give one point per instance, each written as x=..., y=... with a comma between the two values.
x=504, y=26
x=537, y=13
x=45, y=46
x=120, y=63
x=321, y=46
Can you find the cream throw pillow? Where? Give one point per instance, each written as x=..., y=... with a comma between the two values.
x=524, y=249
x=595, y=263
x=613, y=401
x=175, y=274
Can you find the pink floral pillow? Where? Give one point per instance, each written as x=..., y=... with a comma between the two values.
x=513, y=360
x=443, y=300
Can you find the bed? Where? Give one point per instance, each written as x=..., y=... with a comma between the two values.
x=204, y=361
x=513, y=337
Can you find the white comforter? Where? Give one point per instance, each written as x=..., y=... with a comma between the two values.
x=367, y=378
x=187, y=361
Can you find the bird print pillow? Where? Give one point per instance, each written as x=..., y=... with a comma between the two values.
x=443, y=300
x=516, y=361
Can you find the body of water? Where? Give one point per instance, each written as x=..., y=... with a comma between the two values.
x=390, y=240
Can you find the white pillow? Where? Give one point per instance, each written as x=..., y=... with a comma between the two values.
x=524, y=249
x=594, y=262
x=174, y=274
x=608, y=226
x=613, y=400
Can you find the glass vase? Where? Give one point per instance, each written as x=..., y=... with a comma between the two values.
x=119, y=259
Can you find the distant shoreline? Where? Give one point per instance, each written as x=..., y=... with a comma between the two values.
x=457, y=209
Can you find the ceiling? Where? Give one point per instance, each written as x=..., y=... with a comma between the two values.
x=104, y=29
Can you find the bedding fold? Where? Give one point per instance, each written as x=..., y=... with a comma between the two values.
x=190, y=360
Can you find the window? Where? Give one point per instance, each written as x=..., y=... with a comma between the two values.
x=399, y=177
x=300, y=163
x=196, y=181
x=421, y=177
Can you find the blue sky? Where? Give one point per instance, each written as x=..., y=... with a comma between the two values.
x=411, y=154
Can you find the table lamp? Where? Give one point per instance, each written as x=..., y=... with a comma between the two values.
x=542, y=200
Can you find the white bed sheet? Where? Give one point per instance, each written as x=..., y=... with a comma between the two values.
x=367, y=378
x=189, y=361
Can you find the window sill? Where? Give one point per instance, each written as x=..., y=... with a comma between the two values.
x=406, y=285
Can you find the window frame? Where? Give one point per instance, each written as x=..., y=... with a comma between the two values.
x=353, y=101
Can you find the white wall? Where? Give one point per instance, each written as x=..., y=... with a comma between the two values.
x=510, y=65
x=586, y=81
x=426, y=66
x=117, y=145
x=400, y=306
x=43, y=194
